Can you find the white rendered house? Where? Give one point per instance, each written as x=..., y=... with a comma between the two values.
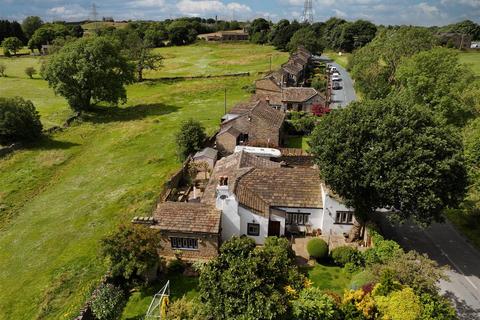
x=260, y=198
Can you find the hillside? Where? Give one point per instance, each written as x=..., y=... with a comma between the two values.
x=60, y=197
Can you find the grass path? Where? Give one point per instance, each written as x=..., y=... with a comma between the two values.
x=59, y=198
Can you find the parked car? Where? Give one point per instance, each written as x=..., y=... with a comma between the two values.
x=333, y=69
x=336, y=73
x=336, y=78
x=336, y=85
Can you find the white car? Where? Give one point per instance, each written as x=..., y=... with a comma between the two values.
x=336, y=73
x=336, y=78
x=333, y=69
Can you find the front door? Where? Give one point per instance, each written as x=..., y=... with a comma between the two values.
x=273, y=228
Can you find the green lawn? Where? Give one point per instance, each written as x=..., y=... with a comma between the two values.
x=140, y=300
x=298, y=142
x=472, y=58
x=58, y=198
x=329, y=277
x=340, y=59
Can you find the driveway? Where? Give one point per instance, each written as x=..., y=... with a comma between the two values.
x=341, y=98
x=444, y=244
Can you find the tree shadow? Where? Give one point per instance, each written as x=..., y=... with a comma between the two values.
x=464, y=311
x=47, y=143
x=115, y=114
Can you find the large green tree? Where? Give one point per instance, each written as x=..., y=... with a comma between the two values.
x=390, y=154
x=248, y=283
x=19, y=121
x=30, y=25
x=374, y=66
x=89, y=70
x=11, y=45
x=431, y=78
x=355, y=35
x=306, y=37
x=282, y=32
x=141, y=54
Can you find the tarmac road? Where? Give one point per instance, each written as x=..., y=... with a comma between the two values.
x=341, y=98
x=444, y=244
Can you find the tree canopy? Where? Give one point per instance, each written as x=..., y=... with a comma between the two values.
x=19, y=121
x=30, y=25
x=306, y=37
x=248, y=283
x=11, y=45
x=89, y=70
x=390, y=153
x=131, y=251
x=431, y=78
x=190, y=138
x=374, y=65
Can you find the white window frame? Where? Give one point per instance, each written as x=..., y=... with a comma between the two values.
x=344, y=217
x=297, y=218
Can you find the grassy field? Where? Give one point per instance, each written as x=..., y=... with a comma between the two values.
x=340, y=59
x=472, y=58
x=58, y=198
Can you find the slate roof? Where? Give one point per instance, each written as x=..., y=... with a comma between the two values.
x=234, y=167
x=187, y=217
x=206, y=152
x=267, y=84
x=298, y=94
x=262, y=188
x=292, y=67
x=259, y=109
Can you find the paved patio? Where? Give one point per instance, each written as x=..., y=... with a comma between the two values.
x=299, y=245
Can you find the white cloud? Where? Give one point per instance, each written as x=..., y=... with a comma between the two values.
x=208, y=7
x=471, y=3
x=427, y=9
x=147, y=3
x=339, y=13
x=71, y=12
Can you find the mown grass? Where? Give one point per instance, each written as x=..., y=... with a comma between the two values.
x=298, y=142
x=140, y=299
x=340, y=59
x=472, y=59
x=59, y=197
x=329, y=277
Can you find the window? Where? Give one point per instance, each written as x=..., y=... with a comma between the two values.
x=184, y=243
x=253, y=229
x=299, y=219
x=344, y=217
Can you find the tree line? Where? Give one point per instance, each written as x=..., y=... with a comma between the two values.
x=401, y=146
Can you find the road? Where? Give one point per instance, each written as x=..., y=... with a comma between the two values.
x=341, y=98
x=444, y=244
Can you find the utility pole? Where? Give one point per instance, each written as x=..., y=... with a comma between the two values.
x=270, y=63
x=95, y=16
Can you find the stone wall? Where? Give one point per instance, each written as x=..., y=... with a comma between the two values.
x=208, y=245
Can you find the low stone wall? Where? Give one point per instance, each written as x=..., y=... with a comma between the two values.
x=238, y=74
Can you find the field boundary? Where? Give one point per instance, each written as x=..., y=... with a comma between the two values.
x=208, y=76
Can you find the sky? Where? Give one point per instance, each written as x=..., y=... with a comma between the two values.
x=422, y=12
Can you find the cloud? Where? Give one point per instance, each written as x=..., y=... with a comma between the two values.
x=210, y=7
x=70, y=12
x=427, y=9
x=148, y=3
x=340, y=13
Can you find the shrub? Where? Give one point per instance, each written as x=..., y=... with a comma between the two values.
x=399, y=305
x=313, y=304
x=3, y=68
x=345, y=254
x=190, y=138
x=131, y=251
x=184, y=308
x=30, y=71
x=436, y=307
x=107, y=302
x=19, y=121
x=175, y=266
x=383, y=250
x=317, y=248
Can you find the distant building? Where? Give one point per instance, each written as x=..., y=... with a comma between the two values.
x=233, y=35
x=475, y=45
x=455, y=40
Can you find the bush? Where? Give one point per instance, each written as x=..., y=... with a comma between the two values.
x=383, y=250
x=19, y=121
x=30, y=71
x=345, y=254
x=107, y=302
x=185, y=309
x=312, y=303
x=317, y=248
x=175, y=266
x=190, y=138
